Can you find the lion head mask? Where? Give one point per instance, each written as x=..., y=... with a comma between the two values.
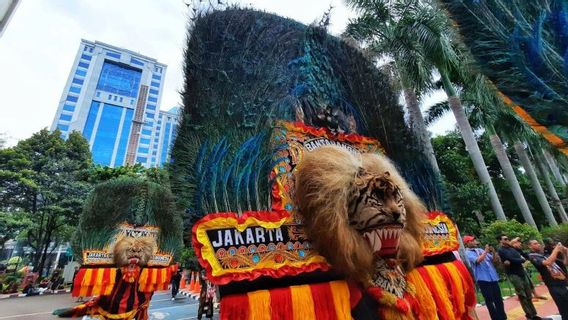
x=134, y=251
x=357, y=207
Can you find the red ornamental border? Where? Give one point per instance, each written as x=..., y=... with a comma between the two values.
x=265, y=216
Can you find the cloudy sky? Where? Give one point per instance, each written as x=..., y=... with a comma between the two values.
x=38, y=47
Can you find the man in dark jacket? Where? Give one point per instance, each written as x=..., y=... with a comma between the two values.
x=176, y=279
x=553, y=272
x=513, y=262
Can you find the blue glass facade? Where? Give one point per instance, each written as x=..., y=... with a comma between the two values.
x=119, y=79
x=106, y=134
x=91, y=118
x=125, y=133
x=100, y=100
x=166, y=143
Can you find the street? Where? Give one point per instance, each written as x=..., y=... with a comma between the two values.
x=41, y=307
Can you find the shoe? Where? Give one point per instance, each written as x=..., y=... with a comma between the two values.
x=173, y=299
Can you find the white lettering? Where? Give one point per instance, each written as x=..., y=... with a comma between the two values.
x=250, y=237
x=259, y=234
x=219, y=241
x=228, y=238
x=238, y=238
x=279, y=236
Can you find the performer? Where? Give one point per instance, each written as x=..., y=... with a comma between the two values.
x=176, y=279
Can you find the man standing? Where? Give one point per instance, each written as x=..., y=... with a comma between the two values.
x=513, y=262
x=176, y=279
x=481, y=261
x=553, y=272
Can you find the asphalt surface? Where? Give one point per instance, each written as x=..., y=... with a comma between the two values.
x=41, y=307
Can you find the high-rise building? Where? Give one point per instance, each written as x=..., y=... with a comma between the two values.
x=112, y=97
x=163, y=136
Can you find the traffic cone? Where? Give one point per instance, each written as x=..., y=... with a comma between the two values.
x=182, y=281
x=192, y=282
x=197, y=284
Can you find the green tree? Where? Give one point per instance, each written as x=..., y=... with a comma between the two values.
x=44, y=177
x=11, y=225
x=425, y=32
x=511, y=228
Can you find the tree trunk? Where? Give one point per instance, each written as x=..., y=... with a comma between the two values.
x=509, y=173
x=419, y=127
x=472, y=147
x=539, y=159
x=524, y=157
x=554, y=168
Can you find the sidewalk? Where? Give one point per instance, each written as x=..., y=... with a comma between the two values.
x=19, y=295
x=545, y=308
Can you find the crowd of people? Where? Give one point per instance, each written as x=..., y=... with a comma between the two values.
x=550, y=261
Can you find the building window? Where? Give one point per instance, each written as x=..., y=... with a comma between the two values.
x=150, y=115
x=65, y=117
x=150, y=107
x=154, y=153
x=83, y=65
x=136, y=61
x=147, y=132
x=141, y=159
x=106, y=134
x=166, y=144
x=115, y=98
x=86, y=57
x=155, y=84
x=143, y=150
x=91, y=118
x=144, y=140
x=110, y=97
x=119, y=79
x=62, y=127
x=75, y=90
x=152, y=99
x=122, y=145
x=72, y=98
x=157, y=77
x=78, y=81
x=67, y=107
x=113, y=54
x=80, y=73
x=154, y=91
x=120, y=99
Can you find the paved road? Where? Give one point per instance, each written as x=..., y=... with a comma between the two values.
x=40, y=307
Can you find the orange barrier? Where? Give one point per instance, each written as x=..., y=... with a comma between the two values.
x=192, y=282
x=197, y=284
x=182, y=281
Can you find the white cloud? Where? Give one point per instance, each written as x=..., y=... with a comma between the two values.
x=39, y=45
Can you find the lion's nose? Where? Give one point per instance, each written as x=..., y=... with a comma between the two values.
x=396, y=216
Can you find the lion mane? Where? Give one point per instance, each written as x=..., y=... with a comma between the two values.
x=126, y=248
x=325, y=180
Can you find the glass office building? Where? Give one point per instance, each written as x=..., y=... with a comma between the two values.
x=112, y=97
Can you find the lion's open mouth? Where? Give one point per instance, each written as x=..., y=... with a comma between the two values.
x=384, y=239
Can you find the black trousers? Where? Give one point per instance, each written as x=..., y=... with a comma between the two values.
x=560, y=296
x=175, y=289
x=493, y=299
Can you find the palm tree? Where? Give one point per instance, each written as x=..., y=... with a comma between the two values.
x=539, y=160
x=525, y=160
x=421, y=33
x=486, y=110
x=413, y=75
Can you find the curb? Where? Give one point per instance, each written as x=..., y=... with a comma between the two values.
x=189, y=294
x=22, y=295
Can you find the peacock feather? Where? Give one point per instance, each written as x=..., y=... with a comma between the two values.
x=522, y=46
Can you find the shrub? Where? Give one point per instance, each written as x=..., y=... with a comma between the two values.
x=558, y=233
x=511, y=228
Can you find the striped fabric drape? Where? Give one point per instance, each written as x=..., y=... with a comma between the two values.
x=329, y=300
x=94, y=282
